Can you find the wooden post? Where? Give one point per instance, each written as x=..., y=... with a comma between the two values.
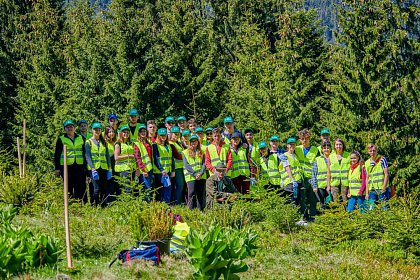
x=66, y=210
x=19, y=159
x=24, y=148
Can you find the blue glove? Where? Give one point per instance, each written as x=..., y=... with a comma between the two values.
x=109, y=175
x=253, y=181
x=95, y=175
x=295, y=189
x=166, y=181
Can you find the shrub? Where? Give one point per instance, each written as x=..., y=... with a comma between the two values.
x=17, y=191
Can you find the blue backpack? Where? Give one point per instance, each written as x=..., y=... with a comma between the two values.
x=150, y=253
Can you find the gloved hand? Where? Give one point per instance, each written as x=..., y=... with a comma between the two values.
x=295, y=189
x=95, y=175
x=109, y=175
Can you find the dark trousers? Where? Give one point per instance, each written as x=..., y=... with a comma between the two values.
x=241, y=184
x=100, y=188
x=196, y=194
x=76, y=181
x=308, y=200
x=129, y=177
x=162, y=193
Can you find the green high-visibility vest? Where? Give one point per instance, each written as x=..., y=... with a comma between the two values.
x=98, y=155
x=178, y=163
x=74, y=150
x=165, y=158
x=215, y=158
x=240, y=164
x=321, y=176
x=376, y=175
x=110, y=149
x=196, y=163
x=339, y=171
x=354, y=181
x=144, y=155
x=181, y=230
x=306, y=162
x=255, y=156
x=272, y=169
x=294, y=168
x=134, y=136
x=126, y=164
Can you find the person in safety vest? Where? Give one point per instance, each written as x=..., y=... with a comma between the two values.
x=306, y=155
x=262, y=168
x=219, y=188
x=185, y=138
x=76, y=163
x=99, y=165
x=340, y=164
x=325, y=136
x=252, y=147
x=217, y=152
x=182, y=123
x=321, y=174
x=178, y=182
x=291, y=173
x=357, y=179
x=143, y=154
x=82, y=127
x=200, y=134
x=125, y=164
x=181, y=230
x=230, y=129
x=163, y=166
x=111, y=138
x=151, y=130
x=195, y=174
x=169, y=123
x=271, y=163
x=209, y=135
x=378, y=176
x=133, y=117
x=242, y=167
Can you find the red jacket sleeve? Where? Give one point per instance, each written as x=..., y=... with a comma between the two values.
x=208, y=161
x=363, y=177
x=137, y=155
x=229, y=161
x=175, y=153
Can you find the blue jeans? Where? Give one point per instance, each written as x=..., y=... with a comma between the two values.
x=376, y=196
x=353, y=201
x=162, y=194
x=178, y=183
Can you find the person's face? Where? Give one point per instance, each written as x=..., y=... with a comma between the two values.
x=249, y=136
x=96, y=132
x=216, y=137
x=169, y=125
x=181, y=124
x=325, y=137
x=143, y=133
x=220, y=173
x=235, y=141
x=192, y=127
x=373, y=151
x=264, y=151
x=291, y=147
x=194, y=143
x=200, y=135
x=83, y=127
x=338, y=146
x=113, y=122
x=162, y=138
x=151, y=128
x=209, y=136
x=133, y=119
x=326, y=150
x=125, y=134
x=111, y=134
x=354, y=159
x=229, y=126
x=305, y=140
x=69, y=129
x=274, y=145
x=175, y=136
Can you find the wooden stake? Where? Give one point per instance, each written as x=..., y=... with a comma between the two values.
x=66, y=210
x=19, y=159
x=24, y=148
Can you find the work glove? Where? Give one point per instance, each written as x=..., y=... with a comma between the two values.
x=95, y=175
x=253, y=181
x=109, y=175
x=295, y=189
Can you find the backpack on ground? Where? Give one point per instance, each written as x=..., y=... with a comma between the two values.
x=150, y=253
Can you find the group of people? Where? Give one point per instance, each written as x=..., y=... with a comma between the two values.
x=183, y=162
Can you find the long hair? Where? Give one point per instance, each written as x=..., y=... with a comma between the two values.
x=121, y=139
x=342, y=143
x=359, y=156
x=198, y=150
x=107, y=130
x=166, y=142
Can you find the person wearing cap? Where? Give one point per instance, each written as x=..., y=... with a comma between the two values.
x=125, y=165
x=291, y=174
x=200, y=133
x=169, y=123
x=209, y=136
x=217, y=152
x=163, y=166
x=262, y=170
x=192, y=124
x=274, y=145
x=113, y=121
x=182, y=122
x=133, y=117
x=306, y=154
x=151, y=131
x=252, y=148
x=99, y=165
x=76, y=163
x=195, y=174
x=340, y=165
x=321, y=174
x=230, y=129
x=185, y=138
x=178, y=182
x=325, y=136
x=143, y=155
x=270, y=163
x=82, y=127
x=241, y=165
x=219, y=187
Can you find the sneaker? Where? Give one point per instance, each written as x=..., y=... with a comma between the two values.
x=302, y=223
